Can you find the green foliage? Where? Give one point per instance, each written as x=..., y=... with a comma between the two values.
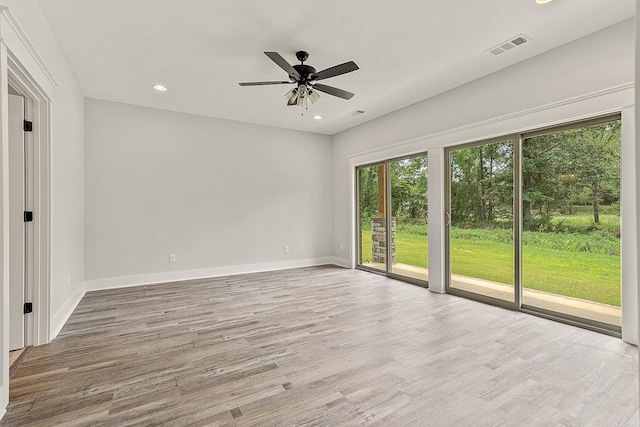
x=408, y=190
x=368, y=197
x=584, y=224
x=560, y=170
x=482, y=183
x=599, y=242
x=412, y=229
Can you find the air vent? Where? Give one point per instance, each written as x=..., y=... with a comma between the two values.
x=508, y=45
x=356, y=113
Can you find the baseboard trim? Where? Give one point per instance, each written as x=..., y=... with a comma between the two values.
x=341, y=262
x=2, y=412
x=62, y=315
x=176, y=276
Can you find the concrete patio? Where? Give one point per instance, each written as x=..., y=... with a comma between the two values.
x=561, y=304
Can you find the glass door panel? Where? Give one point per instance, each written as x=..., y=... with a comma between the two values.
x=409, y=242
x=481, y=231
x=571, y=222
x=372, y=218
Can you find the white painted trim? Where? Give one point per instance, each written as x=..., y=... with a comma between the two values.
x=60, y=318
x=353, y=223
x=342, y=262
x=176, y=276
x=628, y=228
x=4, y=226
x=2, y=410
x=603, y=102
x=436, y=228
x=27, y=46
x=38, y=287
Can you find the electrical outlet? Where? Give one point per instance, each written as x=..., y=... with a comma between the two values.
x=68, y=279
x=172, y=257
x=286, y=249
x=342, y=247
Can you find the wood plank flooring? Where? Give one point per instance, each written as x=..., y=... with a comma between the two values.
x=16, y=357
x=318, y=346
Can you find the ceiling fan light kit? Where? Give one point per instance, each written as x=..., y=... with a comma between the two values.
x=305, y=78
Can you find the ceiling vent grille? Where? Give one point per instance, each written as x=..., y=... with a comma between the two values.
x=356, y=113
x=508, y=45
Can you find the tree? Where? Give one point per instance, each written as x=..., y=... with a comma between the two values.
x=574, y=166
x=598, y=151
x=409, y=187
x=482, y=184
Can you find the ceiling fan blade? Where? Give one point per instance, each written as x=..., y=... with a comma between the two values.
x=264, y=83
x=282, y=63
x=347, y=67
x=333, y=91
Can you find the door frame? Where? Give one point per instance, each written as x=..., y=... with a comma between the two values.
x=518, y=305
x=38, y=111
x=516, y=223
x=358, y=226
x=22, y=67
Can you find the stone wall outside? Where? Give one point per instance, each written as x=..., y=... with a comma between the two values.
x=379, y=240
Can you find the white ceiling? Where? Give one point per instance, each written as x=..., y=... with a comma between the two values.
x=407, y=50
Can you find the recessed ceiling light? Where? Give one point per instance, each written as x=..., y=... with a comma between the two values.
x=317, y=117
x=543, y=1
x=159, y=88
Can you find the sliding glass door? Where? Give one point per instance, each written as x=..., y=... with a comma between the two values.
x=392, y=218
x=372, y=217
x=481, y=226
x=409, y=242
x=533, y=222
x=571, y=221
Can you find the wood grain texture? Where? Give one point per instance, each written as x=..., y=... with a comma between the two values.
x=318, y=346
x=16, y=357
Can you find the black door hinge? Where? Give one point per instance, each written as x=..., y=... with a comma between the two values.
x=28, y=126
x=28, y=307
x=28, y=216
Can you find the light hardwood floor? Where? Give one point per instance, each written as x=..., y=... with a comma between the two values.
x=318, y=346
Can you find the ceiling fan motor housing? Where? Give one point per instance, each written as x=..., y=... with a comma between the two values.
x=305, y=71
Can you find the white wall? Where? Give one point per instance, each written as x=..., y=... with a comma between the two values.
x=67, y=169
x=550, y=88
x=223, y=196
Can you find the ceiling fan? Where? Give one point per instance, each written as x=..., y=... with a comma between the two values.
x=305, y=78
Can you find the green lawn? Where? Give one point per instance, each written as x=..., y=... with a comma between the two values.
x=590, y=276
x=581, y=222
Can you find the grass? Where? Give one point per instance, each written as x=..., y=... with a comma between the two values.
x=570, y=264
x=597, y=242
